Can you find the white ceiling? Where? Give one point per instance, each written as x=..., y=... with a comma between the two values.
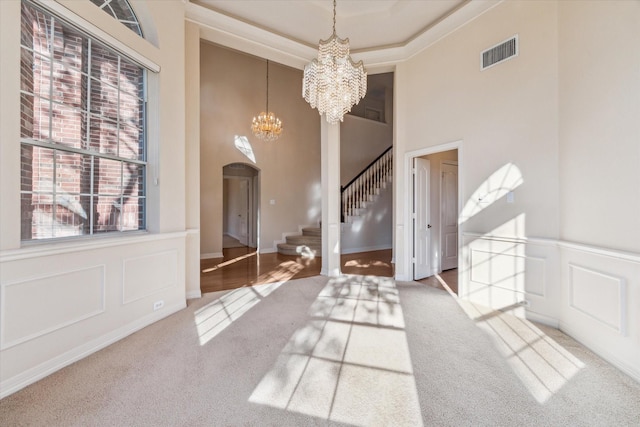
x=381, y=32
x=368, y=24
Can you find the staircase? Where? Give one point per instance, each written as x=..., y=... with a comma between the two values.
x=355, y=195
x=309, y=243
x=366, y=186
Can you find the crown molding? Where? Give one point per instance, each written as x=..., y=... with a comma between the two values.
x=221, y=29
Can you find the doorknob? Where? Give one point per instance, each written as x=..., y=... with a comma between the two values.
x=428, y=225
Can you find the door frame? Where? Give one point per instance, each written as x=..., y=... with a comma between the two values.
x=409, y=234
x=253, y=217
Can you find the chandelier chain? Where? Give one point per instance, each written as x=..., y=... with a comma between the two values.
x=266, y=125
x=267, y=85
x=334, y=17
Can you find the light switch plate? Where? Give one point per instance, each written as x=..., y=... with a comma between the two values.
x=510, y=197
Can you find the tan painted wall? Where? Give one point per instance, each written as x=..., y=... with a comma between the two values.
x=233, y=90
x=600, y=122
x=504, y=115
x=361, y=141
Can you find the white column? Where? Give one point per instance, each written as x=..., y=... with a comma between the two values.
x=192, y=141
x=330, y=158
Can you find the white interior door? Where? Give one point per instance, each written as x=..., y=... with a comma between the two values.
x=243, y=212
x=449, y=213
x=421, y=225
x=254, y=198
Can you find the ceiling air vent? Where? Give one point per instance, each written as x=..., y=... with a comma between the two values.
x=499, y=53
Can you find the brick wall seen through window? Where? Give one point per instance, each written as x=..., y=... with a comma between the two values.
x=83, y=148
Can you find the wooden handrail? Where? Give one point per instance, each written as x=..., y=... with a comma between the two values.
x=365, y=184
x=342, y=187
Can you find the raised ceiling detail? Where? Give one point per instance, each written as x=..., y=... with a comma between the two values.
x=369, y=24
x=380, y=31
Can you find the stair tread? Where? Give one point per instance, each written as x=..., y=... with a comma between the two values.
x=288, y=249
x=312, y=231
x=300, y=244
x=301, y=239
x=291, y=246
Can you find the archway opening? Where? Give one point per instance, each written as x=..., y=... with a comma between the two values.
x=240, y=205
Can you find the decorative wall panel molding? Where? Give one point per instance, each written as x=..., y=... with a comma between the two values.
x=145, y=275
x=40, y=305
x=50, y=366
x=516, y=272
x=599, y=295
x=536, y=276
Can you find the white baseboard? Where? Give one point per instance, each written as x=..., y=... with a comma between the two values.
x=541, y=318
x=211, y=255
x=365, y=249
x=268, y=250
x=36, y=373
x=194, y=295
x=233, y=236
x=605, y=353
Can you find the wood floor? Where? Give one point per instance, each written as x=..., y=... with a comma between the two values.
x=447, y=280
x=244, y=267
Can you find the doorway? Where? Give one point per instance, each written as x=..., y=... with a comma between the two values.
x=433, y=238
x=240, y=205
x=449, y=214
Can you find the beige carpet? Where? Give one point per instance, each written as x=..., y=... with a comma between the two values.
x=350, y=351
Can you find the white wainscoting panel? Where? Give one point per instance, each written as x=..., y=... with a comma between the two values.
x=536, y=276
x=145, y=275
x=498, y=269
x=601, y=302
x=61, y=302
x=505, y=265
x=501, y=272
x=40, y=305
x=599, y=295
x=591, y=293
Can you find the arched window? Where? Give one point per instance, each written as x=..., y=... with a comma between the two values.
x=83, y=131
x=121, y=10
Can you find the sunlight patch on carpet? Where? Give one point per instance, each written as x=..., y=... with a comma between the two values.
x=214, y=317
x=350, y=362
x=543, y=365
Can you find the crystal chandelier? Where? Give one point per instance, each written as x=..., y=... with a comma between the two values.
x=266, y=125
x=333, y=83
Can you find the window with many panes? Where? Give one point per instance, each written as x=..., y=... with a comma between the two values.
x=83, y=145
